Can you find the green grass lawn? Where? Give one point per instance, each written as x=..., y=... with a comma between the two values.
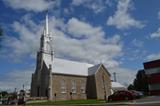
x=68, y=102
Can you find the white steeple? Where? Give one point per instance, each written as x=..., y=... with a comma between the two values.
x=46, y=41
x=45, y=55
x=46, y=25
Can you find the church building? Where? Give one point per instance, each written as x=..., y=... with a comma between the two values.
x=60, y=79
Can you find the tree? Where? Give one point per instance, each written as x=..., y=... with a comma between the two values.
x=141, y=82
x=131, y=87
x=4, y=93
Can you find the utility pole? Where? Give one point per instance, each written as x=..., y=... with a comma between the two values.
x=23, y=86
x=15, y=90
x=114, y=76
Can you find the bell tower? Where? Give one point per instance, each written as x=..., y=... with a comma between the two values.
x=46, y=41
x=42, y=78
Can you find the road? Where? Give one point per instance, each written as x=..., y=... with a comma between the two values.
x=146, y=101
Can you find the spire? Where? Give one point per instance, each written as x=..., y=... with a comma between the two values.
x=46, y=39
x=46, y=24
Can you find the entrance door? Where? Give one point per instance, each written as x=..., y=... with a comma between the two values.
x=38, y=91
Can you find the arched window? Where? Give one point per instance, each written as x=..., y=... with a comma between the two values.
x=73, y=88
x=63, y=86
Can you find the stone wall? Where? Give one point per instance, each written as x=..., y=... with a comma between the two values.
x=40, y=82
x=44, y=81
x=58, y=93
x=33, y=85
x=103, y=83
x=91, y=87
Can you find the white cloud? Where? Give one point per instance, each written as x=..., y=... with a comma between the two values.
x=93, y=45
x=78, y=2
x=27, y=42
x=137, y=43
x=122, y=19
x=31, y=5
x=16, y=79
x=123, y=75
x=159, y=15
x=153, y=57
x=114, y=40
x=81, y=29
x=156, y=34
x=94, y=5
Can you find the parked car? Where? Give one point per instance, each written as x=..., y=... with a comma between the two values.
x=4, y=101
x=121, y=95
x=9, y=100
x=137, y=94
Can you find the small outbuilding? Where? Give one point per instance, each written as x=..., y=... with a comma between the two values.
x=116, y=86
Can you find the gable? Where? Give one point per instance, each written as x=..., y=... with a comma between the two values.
x=105, y=69
x=93, y=70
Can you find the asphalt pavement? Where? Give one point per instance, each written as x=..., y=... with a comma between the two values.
x=146, y=101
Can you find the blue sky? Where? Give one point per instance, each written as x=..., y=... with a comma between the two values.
x=122, y=34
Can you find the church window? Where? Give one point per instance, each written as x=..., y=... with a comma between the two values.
x=63, y=86
x=73, y=89
x=83, y=86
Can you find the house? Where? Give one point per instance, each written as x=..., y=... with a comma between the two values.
x=152, y=70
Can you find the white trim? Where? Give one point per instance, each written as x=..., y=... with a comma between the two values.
x=154, y=86
x=152, y=70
